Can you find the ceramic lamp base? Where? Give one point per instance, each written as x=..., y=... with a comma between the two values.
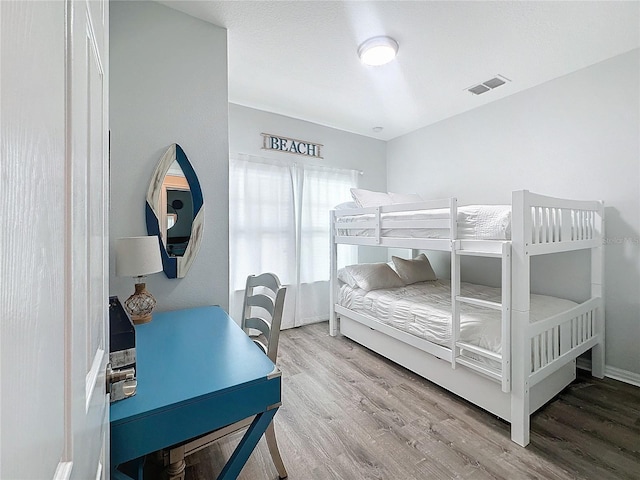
x=140, y=305
x=138, y=319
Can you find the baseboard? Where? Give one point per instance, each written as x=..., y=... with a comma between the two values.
x=625, y=376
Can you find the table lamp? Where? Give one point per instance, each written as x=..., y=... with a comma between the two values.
x=137, y=257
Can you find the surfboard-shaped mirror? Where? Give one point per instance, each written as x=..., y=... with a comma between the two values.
x=175, y=211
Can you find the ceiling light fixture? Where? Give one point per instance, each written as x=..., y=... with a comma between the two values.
x=378, y=51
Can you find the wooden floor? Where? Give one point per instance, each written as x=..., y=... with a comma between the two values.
x=350, y=414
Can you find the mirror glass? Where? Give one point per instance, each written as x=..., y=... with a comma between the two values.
x=175, y=211
x=178, y=221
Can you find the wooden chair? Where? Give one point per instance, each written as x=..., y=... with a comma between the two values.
x=263, y=306
x=261, y=319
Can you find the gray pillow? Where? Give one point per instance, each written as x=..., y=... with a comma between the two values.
x=374, y=276
x=412, y=271
x=345, y=277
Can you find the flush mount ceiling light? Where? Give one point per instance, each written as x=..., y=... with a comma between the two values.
x=378, y=51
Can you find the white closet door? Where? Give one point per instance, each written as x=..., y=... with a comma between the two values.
x=54, y=239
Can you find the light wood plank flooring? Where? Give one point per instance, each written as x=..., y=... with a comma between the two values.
x=350, y=414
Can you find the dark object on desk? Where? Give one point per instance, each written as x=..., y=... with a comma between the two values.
x=121, y=373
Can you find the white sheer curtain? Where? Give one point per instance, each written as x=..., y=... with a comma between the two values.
x=279, y=222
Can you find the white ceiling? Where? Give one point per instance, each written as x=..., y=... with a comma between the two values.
x=298, y=58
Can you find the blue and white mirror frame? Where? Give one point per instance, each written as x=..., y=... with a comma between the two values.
x=175, y=266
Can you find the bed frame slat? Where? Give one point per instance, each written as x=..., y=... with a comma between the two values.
x=479, y=302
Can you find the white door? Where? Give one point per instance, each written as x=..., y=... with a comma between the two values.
x=53, y=239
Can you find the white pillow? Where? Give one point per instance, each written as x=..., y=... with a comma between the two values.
x=346, y=206
x=368, y=198
x=405, y=197
x=345, y=277
x=373, y=276
x=417, y=270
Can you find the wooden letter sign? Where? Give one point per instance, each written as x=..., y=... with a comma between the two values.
x=290, y=145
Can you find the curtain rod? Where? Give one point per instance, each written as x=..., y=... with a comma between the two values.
x=273, y=161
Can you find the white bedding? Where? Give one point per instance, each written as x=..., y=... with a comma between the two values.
x=480, y=222
x=424, y=309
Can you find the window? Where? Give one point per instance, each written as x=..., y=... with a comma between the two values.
x=279, y=223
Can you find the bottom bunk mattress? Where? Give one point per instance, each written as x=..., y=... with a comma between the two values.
x=424, y=310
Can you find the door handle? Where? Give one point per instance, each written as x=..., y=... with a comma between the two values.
x=121, y=383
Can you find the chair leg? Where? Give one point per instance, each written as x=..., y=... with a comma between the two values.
x=177, y=466
x=176, y=471
x=272, y=443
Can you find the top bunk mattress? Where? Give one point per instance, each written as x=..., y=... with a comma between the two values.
x=477, y=222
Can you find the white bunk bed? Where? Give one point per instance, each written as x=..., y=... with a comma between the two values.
x=538, y=359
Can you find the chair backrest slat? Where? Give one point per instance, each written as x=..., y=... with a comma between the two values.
x=269, y=280
x=259, y=324
x=263, y=301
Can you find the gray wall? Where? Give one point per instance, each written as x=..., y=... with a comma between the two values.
x=574, y=137
x=340, y=149
x=168, y=84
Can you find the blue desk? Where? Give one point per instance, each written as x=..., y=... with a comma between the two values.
x=197, y=371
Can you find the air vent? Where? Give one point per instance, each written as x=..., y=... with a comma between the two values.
x=494, y=82
x=478, y=89
x=488, y=85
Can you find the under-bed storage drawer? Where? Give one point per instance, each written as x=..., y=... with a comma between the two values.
x=467, y=384
x=461, y=381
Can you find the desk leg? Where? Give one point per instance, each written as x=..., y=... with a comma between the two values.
x=247, y=444
x=131, y=470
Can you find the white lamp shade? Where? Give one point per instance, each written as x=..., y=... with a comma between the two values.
x=137, y=256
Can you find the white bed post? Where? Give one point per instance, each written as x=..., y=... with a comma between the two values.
x=520, y=303
x=597, y=290
x=333, y=276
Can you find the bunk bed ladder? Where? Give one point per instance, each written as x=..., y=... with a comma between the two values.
x=455, y=281
x=506, y=317
x=503, y=374
x=455, y=302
